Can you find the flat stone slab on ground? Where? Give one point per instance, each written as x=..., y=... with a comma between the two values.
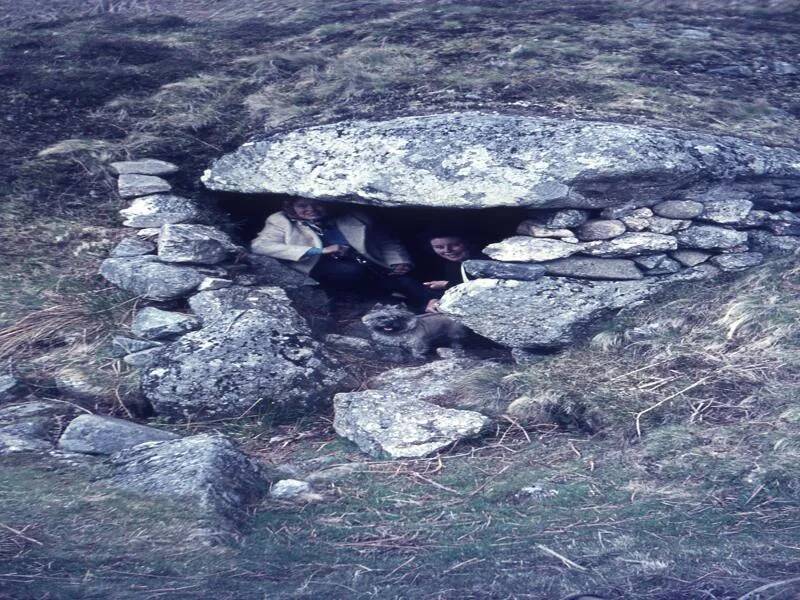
x=160, y=209
x=95, y=434
x=387, y=424
x=144, y=166
x=480, y=160
x=130, y=185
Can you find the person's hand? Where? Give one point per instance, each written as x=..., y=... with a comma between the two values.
x=400, y=268
x=337, y=250
x=435, y=285
x=432, y=306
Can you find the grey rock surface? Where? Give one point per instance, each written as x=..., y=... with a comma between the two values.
x=601, y=229
x=30, y=426
x=667, y=226
x=160, y=209
x=82, y=382
x=439, y=382
x=146, y=276
x=214, y=283
x=678, y=209
x=94, y=434
x=547, y=313
x=253, y=352
x=292, y=489
x=569, y=217
x=637, y=220
x=144, y=166
x=527, y=249
x=737, y=261
x=130, y=185
x=659, y=264
x=142, y=358
x=269, y=271
x=710, y=237
x=767, y=243
x=387, y=424
x=132, y=246
x=584, y=267
x=690, y=258
x=494, y=269
x=186, y=243
x=156, y=324
x=477, y=160
x=207, y=473
x=9, y=387
x=631, y=244
x=727, y=211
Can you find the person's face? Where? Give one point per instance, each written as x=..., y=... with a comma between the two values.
x=450, y=248
x=309, y=210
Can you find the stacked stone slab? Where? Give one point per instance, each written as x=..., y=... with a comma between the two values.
x=253, y=352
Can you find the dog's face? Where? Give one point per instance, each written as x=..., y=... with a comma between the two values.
x=390, y=320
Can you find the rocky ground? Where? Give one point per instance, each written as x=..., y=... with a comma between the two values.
x=658, y=460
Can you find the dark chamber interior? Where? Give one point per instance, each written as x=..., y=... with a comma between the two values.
x=248, y=212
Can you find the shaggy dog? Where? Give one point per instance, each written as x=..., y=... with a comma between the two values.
x=397, y=326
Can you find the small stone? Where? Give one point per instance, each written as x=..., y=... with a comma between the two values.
x=678, y=209
x=383, y=423
x=180, y=243
x=710, y=237
x=638, y=220
x=145, y=166
x=780, y=245
x=291, y=489
x=526, y=249
x=133, y=246
x=665, y=226
x=570, y=217
x=631, y=244
x=147, y=277
x=156, y=324
x=214, y=283
x=494, y=269
x=784, y=68
x=142, y=359
x=131, y=185
x=160, y=209
x=594, y=268
x=534, y=229
x=349, y=343
x=124, y=345
x=658, y=264
x=93, y=434
x=601, y=230
x=738, y=261
x=731, y=211
x=690, y=258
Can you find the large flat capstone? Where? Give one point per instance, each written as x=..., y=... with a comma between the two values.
x=476, y=160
